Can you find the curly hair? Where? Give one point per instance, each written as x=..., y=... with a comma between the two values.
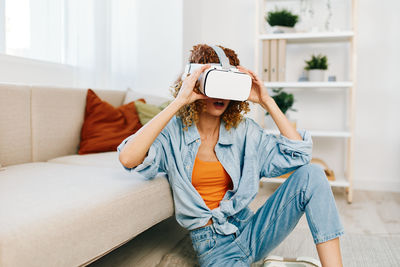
x=189, y=114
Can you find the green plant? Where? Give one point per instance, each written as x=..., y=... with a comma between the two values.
x=319, y=62
x=282, y=17
x=283, y=100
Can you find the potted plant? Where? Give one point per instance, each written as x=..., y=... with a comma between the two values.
x=285, y=102
x=281, y=20
x=316, y=67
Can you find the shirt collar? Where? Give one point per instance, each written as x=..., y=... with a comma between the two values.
x=192, y=134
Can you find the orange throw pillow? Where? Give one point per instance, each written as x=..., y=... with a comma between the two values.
x=105, y=126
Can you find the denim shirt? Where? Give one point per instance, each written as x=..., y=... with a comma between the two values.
x=246, y=152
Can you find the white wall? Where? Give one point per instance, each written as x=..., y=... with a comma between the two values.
x=159, y=45
x=377, y=139
x=227, y=23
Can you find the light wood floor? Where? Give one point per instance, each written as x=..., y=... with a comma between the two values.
x=372, y=213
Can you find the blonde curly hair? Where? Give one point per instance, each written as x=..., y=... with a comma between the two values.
x=189, y=114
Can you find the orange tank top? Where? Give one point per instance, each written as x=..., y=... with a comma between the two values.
x=211, y=181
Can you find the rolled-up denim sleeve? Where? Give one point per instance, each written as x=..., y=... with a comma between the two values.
x=154, y=162
x=278, y=155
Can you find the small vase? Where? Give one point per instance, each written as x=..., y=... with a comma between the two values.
x=316, y=75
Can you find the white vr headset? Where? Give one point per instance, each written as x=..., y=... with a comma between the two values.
x=221, y=80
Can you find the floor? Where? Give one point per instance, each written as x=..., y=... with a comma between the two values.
x=372, y=214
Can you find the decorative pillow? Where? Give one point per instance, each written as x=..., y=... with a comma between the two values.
x=148, y=111
x=132, y=95
x=105, y=126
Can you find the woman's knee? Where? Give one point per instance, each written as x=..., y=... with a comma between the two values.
x=312, y=174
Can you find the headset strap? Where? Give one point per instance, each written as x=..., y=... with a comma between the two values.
x=222, y=57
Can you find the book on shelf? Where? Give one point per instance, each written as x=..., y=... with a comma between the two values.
x=274, y=60
x=266, y=60
x=281, y=59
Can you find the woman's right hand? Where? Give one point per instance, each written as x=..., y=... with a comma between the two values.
x=186, y=94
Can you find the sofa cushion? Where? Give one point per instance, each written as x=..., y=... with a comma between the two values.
x=15, y=124
x=57, y=118
x=105, y=126
x=104, y=159
x=148, y=111
x=64, y=215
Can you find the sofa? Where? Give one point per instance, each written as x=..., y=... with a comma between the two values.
x=58, y=208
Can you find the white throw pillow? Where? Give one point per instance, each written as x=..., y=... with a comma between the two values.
x=132, y=95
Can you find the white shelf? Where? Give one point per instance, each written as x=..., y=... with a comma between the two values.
x=309, y=37
x=339, y=182
x=317, y=133
x=308, y=84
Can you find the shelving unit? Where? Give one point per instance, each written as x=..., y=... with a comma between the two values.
x=344, y=177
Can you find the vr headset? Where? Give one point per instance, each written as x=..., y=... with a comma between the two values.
x=221, y=80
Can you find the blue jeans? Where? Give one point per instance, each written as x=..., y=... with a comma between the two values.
x=306, y=190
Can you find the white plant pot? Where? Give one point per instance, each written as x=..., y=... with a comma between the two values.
x=282, y=29
x=316, y=75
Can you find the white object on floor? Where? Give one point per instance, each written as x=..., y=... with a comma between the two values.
x=278, y=261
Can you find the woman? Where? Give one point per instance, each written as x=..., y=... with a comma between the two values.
x=214, y=158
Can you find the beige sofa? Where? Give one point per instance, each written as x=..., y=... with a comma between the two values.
x=58, y=208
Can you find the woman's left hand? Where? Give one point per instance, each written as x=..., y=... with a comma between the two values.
x=258, y=92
